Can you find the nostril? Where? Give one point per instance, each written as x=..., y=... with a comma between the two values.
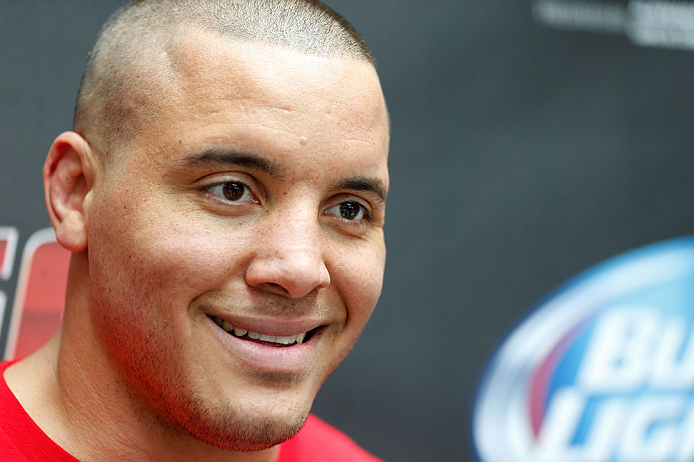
x=272, y=287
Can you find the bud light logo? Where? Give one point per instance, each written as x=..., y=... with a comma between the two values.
x=603, y=370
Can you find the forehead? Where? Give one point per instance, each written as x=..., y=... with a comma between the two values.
x=221, y=90
x=235, y=68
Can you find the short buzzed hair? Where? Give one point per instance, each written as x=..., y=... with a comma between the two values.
x=122, y=78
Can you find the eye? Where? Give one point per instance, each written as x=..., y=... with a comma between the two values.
x=230, y=191
x=349, y=210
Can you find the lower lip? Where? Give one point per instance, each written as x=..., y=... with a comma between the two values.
x=292, y=359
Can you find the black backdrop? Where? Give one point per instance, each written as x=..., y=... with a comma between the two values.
x=521, y=154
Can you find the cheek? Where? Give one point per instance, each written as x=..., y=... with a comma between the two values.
x=145, y=271
x=144, y=275
x=359, y=278
x=182, y=253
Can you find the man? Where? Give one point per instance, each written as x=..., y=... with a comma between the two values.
x=223, y=195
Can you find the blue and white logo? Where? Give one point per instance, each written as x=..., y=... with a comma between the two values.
x=603, y=370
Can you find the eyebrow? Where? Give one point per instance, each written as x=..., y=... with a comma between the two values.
x=219, y=156
x=368, y=184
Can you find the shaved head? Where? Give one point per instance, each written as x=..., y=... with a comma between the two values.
x=135, y=61
x=224, y=203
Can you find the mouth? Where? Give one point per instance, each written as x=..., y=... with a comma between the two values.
x=285, y=346
x=278, y=341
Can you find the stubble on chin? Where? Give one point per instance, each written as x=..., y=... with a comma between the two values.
x=223, y=427
x=227, y=430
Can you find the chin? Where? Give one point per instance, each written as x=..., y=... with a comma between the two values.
x=242, y=433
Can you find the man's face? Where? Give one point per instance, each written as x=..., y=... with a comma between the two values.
x=255, y=200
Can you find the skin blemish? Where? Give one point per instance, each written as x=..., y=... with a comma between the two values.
x=303, y=141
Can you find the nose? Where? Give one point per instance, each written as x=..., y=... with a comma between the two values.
x=288, y=258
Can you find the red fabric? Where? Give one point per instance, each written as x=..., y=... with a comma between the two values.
x=21, y=440
x=319, y=442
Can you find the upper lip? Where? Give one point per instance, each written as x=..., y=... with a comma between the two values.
x=272, y=326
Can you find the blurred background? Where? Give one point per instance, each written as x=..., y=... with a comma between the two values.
x=529, y=142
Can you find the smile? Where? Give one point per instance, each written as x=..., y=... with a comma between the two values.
x=267, y=346
x=274, y=340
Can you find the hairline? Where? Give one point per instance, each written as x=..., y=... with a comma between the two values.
x=119, y=50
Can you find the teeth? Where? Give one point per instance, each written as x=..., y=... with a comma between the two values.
x=267, y=338
x=286, y=340
x=238, y=332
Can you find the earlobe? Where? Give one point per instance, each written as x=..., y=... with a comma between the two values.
x=67, y=181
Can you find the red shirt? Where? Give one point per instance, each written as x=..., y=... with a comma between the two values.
x=22, y=440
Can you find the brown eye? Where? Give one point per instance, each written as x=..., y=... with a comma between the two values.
x=233, y=191
x=350, y=210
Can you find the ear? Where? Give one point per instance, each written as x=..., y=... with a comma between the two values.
x=67, y=182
